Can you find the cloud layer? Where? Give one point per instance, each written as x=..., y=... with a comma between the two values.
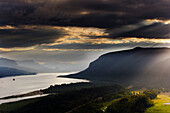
x=91, y=13
x=123, y=18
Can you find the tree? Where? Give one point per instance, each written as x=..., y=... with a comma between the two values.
x=130, y=104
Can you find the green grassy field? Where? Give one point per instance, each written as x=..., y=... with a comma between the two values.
x=159, y=106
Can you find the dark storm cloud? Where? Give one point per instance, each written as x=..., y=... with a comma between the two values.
x=97, y=13
x=113, y=15
x=27, y=37
x=155, y=30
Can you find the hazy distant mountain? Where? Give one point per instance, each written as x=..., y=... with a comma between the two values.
x=10, y=67
x=34, y=66
x=139, y=66
x=26, y=65
x=4, y=62
x=5, y=72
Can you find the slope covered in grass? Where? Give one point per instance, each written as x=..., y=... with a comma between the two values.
x=159, y=106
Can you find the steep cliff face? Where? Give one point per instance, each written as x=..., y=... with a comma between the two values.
x=138, y=65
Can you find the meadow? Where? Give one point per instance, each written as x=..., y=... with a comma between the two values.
x=159, y=106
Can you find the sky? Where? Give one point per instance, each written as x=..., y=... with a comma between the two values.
x=67, y=35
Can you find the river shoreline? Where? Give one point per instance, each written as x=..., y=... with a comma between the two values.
x=33, y=93
x=28, y=86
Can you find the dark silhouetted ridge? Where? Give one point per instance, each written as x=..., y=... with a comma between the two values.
x=144, y=66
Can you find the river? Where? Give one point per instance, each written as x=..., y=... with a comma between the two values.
x=28, y=83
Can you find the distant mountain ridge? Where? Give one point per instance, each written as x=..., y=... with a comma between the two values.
x=144, y=66
x=10, y=67
x=33, y=66
x=4, y=62
x=6, y=72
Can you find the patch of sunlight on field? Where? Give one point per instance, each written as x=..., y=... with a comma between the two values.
x=159, y=106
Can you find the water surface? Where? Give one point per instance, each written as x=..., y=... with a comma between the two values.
x=28, y=83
